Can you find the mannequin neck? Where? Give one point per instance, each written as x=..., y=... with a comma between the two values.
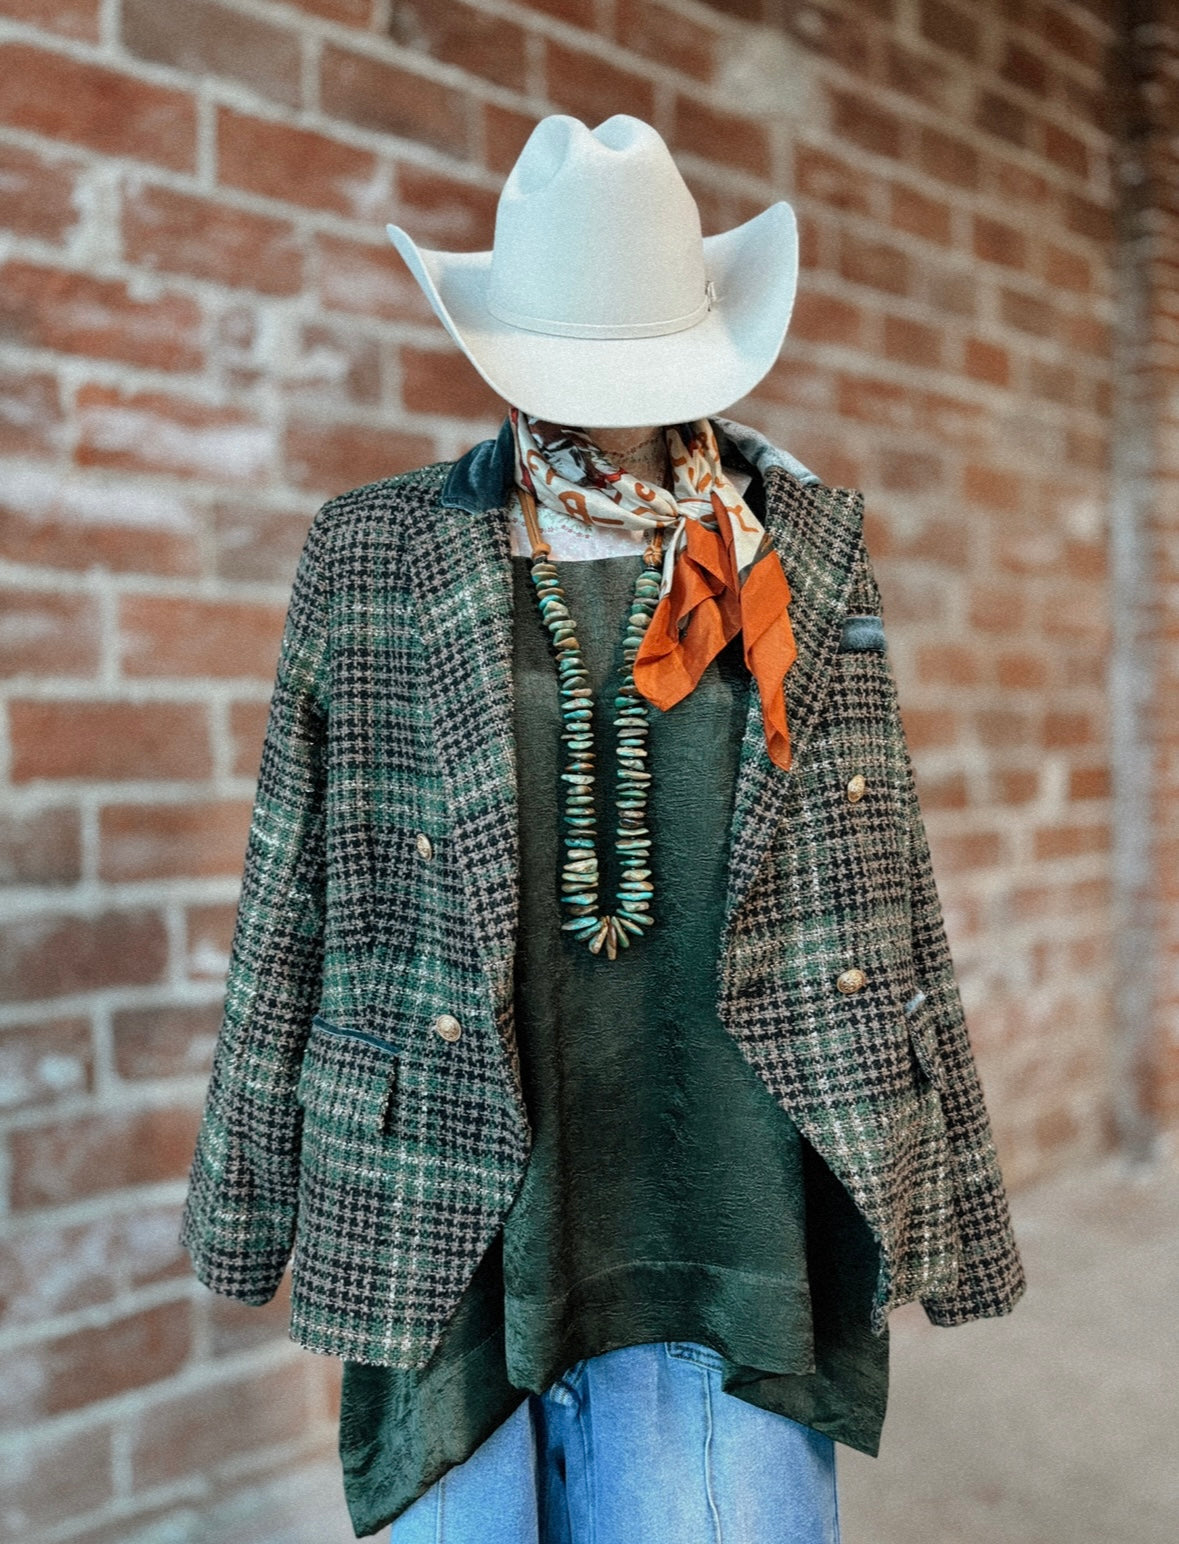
x=641, y=452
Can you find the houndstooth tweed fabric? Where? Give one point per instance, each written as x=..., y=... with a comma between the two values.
x=343, y=1133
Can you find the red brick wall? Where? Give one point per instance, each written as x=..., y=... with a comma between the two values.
x=204, y=332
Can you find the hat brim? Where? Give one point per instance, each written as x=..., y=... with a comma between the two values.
x=628, y=382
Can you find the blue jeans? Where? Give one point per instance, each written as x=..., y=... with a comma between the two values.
x=637, y=1446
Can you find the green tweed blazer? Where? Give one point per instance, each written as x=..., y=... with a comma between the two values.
x=365, y=1119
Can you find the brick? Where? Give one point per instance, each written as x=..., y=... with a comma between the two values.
x=49, y=1477
x=47, y=1269
x=947, y=157
x=441, y=211
x=999, y=115
x=1054, y=383
x=874, y=401
x=378, y=95
x=480, y=43
x=113, y=524
x=1020, y=670
x=1065, y=36
x=334, y=364
x=932, y=728
x=668, y=36
x=733, y=139
x=1004, y=728
x=995, y=488
x=41, y=1063
x=443, y=381
x=1070, y=841
x=355, y=13
x=928, y=218
x=247, y=728
x=913, y=471
x=1026, y=313
x=42, y=847
x=919, y=74
x=171, y=635
x=75, y=313
x=821, y=175
x=825, y=319
x=864, y=123
x=948, y=27
x=257, y=544
x=169, y=1041
x=100, y=108
x=73, y=1371
x=505, y=131
x=948, y=664
x=95, y=1155
x=204, y=38
x=172, y=841
x=969, y=852
x=997, y=607
x=108, y=739
x=994, y=241
x=40, y=194
x=367, y=280
x=42, y=633
x=195, y=1431
x=1024, y=67
x=1092, y=782
x=336, y=457
x=210, y=239
x=592, y=88
x=50, y=955
x=298, y=166
x=30, y=410
x=1016, y=785
x=876, y=264
x=208, y=936
x=912, y=342
x=1066, y=150
x=1064, y=729
x=154, y=431
x=1067, y=270
x=579, y=13
x=986, y=361
x=72, y=18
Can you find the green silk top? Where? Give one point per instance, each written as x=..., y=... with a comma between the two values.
x=667, y=1195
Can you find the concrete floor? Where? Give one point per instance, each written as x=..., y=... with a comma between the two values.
x=1058, y=1424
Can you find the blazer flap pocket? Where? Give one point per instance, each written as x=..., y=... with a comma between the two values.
x=348, y=1077
x=923, y=1038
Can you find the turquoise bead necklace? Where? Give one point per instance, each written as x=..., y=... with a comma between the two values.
x=632, y=844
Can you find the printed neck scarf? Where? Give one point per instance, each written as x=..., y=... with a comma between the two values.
x=721, y=572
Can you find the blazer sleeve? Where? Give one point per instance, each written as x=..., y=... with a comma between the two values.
x=239, y=1215
x=991, y=1277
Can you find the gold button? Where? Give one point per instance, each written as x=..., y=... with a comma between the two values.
x=850, y=980
x=425, y=845
x=855, y=788
x=448, y=1026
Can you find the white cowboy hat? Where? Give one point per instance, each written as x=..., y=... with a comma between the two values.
x=601, y=304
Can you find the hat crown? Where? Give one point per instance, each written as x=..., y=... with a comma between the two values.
x=597, y=235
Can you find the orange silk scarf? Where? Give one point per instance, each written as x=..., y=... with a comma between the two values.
x=721, y=572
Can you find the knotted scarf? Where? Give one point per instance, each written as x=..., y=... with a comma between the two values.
x=721, y=573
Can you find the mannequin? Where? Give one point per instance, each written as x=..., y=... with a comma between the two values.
x=642, y=452
x=633, y=1280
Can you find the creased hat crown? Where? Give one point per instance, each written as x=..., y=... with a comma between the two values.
x=597, y=235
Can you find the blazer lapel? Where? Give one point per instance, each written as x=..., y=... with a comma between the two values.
x=460, y=563
x=460, y=568
x=816, y=531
